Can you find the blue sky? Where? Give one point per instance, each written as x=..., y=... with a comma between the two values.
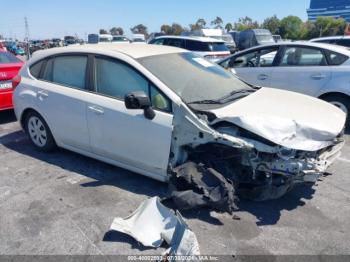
x=57, y=18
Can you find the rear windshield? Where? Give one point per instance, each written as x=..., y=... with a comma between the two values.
x=8, y=58
x=199, y=46
x=216, y=47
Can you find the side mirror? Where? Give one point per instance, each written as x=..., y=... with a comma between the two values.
x=139, y=100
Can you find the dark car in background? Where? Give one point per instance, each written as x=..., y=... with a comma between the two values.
x=254, y=37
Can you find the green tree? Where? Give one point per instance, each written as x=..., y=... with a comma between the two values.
x=308, y=31
x=176, y=29
x=273, y=24
x=116, y=31
x=245, y=23
x=139, y=29
x=103, y=31
x=291, y=27
x=166, y=29
x=217, y=22
x=228, y=27
x=200, y=24
x=329, y=26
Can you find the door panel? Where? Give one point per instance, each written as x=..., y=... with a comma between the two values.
x=303, y=70
x=256, y=76
x=64, y=109
x=305, y=80
x=61, y=99
x=127, y=136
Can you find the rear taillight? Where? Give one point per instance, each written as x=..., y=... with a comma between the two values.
x=15, y=81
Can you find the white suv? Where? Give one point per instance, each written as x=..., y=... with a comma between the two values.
x=211, y=48
x=152, y=109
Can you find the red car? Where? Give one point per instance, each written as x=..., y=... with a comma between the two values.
x=9, y=67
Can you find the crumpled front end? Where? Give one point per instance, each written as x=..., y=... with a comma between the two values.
x=246, y=163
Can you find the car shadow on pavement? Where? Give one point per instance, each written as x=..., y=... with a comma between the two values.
x=267, y=213
x=7, y=116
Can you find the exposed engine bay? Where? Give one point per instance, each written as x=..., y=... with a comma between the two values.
x=244, y=164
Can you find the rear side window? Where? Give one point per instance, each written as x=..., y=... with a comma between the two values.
x=303, y=56
x=335, y=58
x=175, y=42
x=8, y=58
x=66, y=70
x=35, y=69
x=198, y=46
x=343, y=42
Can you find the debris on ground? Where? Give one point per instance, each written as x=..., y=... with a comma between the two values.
x=194, y=185
x=152, y=223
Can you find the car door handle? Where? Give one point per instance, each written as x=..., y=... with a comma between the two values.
x=263, y=77
x=318, y=76
x=43, y=94
x=97, y=110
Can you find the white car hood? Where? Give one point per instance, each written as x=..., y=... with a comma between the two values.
x=286, y=118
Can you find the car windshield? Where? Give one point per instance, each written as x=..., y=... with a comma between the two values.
x=8, y=58
x=192, y=77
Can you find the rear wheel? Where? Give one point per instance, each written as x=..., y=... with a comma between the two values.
x=342, y=102
x=39, y=133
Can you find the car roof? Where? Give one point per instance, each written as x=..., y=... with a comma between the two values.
x=196, y=38
x=336, y=48
x=331, y=37
x=132, y=50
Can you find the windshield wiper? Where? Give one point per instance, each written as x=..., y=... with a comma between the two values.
x=236, y=94
x=207, y=102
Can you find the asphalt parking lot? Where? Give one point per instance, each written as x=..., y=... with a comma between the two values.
x=63, y=203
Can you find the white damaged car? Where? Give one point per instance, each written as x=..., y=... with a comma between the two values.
x=171, y=115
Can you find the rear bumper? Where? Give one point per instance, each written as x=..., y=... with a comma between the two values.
x=6, y=100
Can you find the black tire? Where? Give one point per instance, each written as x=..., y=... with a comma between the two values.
x=47, y=141
x=342, y=99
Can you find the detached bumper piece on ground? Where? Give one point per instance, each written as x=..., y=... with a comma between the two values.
x=152, y=224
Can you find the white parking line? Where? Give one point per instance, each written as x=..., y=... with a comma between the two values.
x=344, y=160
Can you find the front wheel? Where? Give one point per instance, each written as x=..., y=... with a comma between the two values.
x=39, y=133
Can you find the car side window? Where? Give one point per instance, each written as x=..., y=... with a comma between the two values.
x=335, y=58
x=116, y=79
x=303, y=56
x=175, y=42
x=159, y=101
x=258, y=58
x=343, y=42
x=66, y=70
x=36, y=68
x=199, y=46
x=158, y=42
